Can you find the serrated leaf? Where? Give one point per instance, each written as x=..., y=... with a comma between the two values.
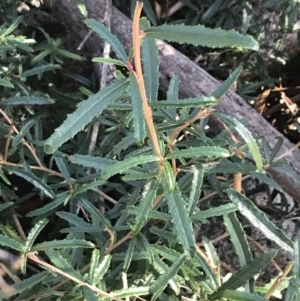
x=169, y=177
x=144, y=207
x=138, y=176
x=244, y=274
x=33, y=179
x=30, y=282
x=108, y=37
x=124, y=165
x=85, y=112
x=34, y=232
x=11, y=243
x=8, y=231
x=162, y=281
x=180, y=219
x=50, y=206
x=90, y=161
x=185, y=103
x=98, y=270
x=40, y=69
x=131, y=292
x=238, y=238
x=225, y=86
x=62, y=263
x=26, y=100
x=267, y=180
x=138, y=111
x=108, y=60
x=217, y=211
x=24, y=130
x=196, y=185
x=60, y=244
x=200, y=35
x=247, y=136
x=150, y=67
x=89, y=186
x=96, y=212
x=241, y=296
x=201, y=151
x=75, y=220
x=129, y=254
x=259, y=220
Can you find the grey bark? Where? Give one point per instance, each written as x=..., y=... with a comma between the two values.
x=194, y=80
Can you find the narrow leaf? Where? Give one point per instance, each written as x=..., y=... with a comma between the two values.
x=259, y=220
x=200, y=35
x=60, y=244
x=267, y=180
x=138, y=111
x=60, y=163
x=11, y=243
x=196, y=184
x=162, y=281
x=26, y=100
x=108, y=60
x=85, y=112
x=30, y=282
x=217, y=211
x=6, y=83
x=96, y=212
x=241, y=296
x=201, y=151
x=90, y=161
x=122, y=166
x=108, y=37
x=185, y=103
x=33, y=179
x=238, y=238
x=225, y=86
x=101, y=269
x=34, y=232
x=5, y=206
x=131, y=292
x=144, y=207
x=150, y=67
x=40, y=69
x=129, y=254
x=245, y=273
x=50, y=206
x=62, y=263
x=247, y=136
x=182, y=223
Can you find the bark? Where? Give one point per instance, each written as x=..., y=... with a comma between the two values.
x=194, y=80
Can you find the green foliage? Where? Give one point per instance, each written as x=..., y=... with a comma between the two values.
x=119, y=222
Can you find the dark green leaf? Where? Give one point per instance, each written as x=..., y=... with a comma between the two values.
x=259, y=220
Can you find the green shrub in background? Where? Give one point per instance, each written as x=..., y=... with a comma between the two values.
x=137, y=241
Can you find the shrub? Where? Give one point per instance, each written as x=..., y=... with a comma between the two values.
x=119, y=223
